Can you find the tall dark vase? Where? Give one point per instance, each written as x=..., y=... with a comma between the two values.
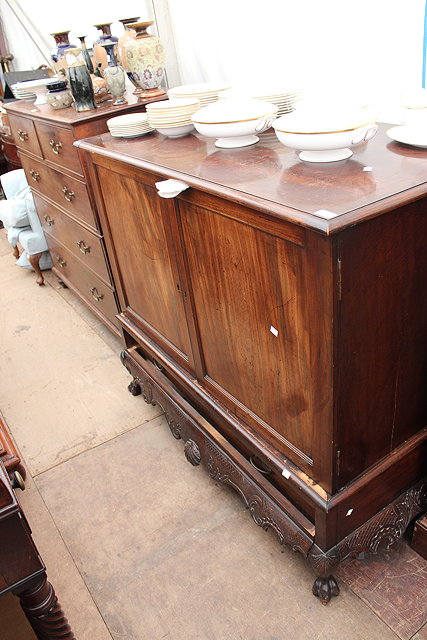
x=85, y=54
x=59, y=61
x=80, y=80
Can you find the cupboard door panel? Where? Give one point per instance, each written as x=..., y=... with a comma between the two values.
x=258, y=325
x=139, y=222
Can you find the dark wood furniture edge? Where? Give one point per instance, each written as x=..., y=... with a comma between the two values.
x=81, y=117
x=269, y=509
x=325, y=227
x=36, y=594
x=10, y=458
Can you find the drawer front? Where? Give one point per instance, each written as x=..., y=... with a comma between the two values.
x=57, y=146
x=91, y=288
x=81, y=242
x=25, y=134
x=69, y=193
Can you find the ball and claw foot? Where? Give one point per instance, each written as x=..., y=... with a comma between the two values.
x=134, y=388
x=325, y=588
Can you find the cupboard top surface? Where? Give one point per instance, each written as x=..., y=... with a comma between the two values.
x=70, y=116
x=269, y=176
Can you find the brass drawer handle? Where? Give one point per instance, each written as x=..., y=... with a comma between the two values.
x=17, y=481
x=23, y=135
x=61, y=262
x=96, y=295
x=83, y=247
x=35, y=175
x=68, y=195
x=56, y=146
x=49, y=221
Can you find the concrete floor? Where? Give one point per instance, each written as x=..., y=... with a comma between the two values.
x=138, y=544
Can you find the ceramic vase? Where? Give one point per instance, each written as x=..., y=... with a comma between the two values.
x=58, y=95
x=85, y=54
x=59, y=61
x=145, y=59
x=115, y=77
x=128, y=34
x=99, y=53
x=80, y=80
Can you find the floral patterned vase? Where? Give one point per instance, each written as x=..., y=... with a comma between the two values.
x=114, y=75
x=128, y=34
x=145, y=59
x=99, y=53
x=59, y=61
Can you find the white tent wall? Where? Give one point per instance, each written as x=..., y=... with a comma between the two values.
x=371, y=49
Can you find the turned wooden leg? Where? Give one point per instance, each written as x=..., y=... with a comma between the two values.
x=16, y=252
x=44, y=612
x=35, y=263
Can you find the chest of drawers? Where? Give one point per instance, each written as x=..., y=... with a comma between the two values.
x=65, y=206
x=277, y=312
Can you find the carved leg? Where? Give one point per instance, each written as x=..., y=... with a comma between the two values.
x=35, y=263
x=325, y=588
x=16, y=252
x=44, y=612
x=134, y=388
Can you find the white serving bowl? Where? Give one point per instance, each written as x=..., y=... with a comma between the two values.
x=325, y=137
x=176, y=132
x=235, y=122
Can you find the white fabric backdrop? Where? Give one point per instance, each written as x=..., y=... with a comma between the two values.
x=372, y=48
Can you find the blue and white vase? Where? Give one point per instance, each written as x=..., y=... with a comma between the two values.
x=59, y=61
x=114, y=74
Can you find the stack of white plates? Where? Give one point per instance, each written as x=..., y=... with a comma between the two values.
x=31, y=90
x=172, y=118
x=285, y=100
x=205, y=92
x=22, y=94
x=131, y=125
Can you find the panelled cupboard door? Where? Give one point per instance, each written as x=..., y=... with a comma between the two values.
x=140, y=231
x=264, y=328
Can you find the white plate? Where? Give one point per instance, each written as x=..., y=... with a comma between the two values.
x=406, y=135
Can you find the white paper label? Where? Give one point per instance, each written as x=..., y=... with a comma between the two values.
x=274, y=331
x=286, y=474
x=349, y=512
x=367, y=168
x=324, y=213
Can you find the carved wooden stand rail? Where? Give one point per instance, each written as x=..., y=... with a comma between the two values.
x=267, y=506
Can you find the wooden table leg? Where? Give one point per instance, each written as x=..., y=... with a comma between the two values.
x=44, y=613
x=35, y=263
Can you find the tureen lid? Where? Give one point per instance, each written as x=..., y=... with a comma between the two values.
x=328, y=121
x=225, y=111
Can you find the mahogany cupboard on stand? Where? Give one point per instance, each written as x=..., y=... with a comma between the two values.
x=277, y=311
x=53, y=168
